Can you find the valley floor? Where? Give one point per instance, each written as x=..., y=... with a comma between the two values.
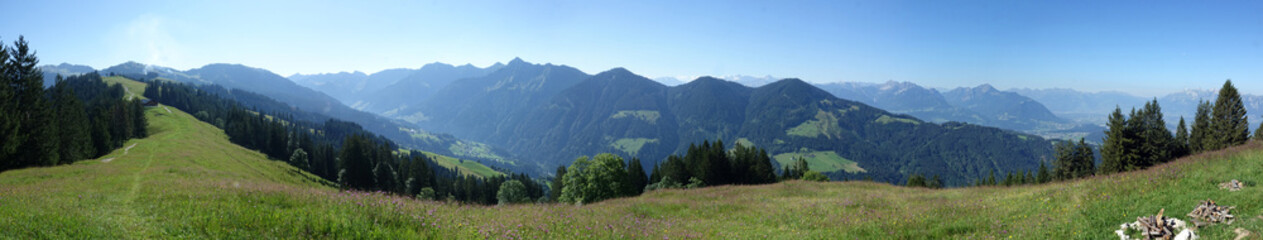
x=187, y=181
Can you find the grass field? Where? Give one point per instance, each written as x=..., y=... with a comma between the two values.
x=132, y=88
x=464, y=167
x=820, y=161
x=632, y=145
x=188, y=181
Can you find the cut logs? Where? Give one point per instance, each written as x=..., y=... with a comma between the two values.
x=1208, y=213
x=1157, y=227
x=1232, y=186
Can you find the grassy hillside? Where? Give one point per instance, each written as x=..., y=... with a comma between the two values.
x=134, y=89
x=187, y=180
x=465, y=167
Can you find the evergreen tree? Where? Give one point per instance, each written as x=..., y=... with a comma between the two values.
x=9, y=121
x=559, y=183
x=1073, y=160
x=990, y=179
x=1156, y=142
x=916, y=180
x=1199, y=135
x=1180, y=147
x=936, y=182
x=636, y=179
x=1258, y=133
x=1043, y=176
x=37, y=133
x=355, y=163
x=1228, y=119
x=72, y=119
x=1114, y=147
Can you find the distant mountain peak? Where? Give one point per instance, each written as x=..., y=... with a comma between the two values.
x=518, y=61
x=618, y=71
x=986, y=87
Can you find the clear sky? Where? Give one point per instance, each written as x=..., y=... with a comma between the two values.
x=1140, y=47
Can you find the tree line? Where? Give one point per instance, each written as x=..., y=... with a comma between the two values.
x=607, y=176
x=79, y=117
x=1140, y=139
x=338, y=151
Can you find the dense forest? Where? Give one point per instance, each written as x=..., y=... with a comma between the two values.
x=80, y=117
x=338, y=151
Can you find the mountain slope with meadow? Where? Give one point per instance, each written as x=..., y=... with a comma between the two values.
x=186, y=180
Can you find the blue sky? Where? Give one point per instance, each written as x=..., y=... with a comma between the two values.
x=1141, y=47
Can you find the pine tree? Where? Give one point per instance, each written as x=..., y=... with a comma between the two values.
x=916, y=180
x=991, y=179
x=1115, y=143
x=1156, y=142
x=1198, y=136
x=1180, y=147
x=9, y=124
x=75, y=141
x=559, y=183
x=38, y=134
x=1086, y=164
x=636, y=179
x=1043, y=176
x=1228, y=119
x=1258, y=132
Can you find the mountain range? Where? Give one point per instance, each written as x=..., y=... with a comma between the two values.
x=533, y=117
x=321, y=107
x=554, y=113
x=1094, y=107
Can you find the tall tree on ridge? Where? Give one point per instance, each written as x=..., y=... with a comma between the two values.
x=1228, y=119
x=1114, y=146
x=1181, y=147
x=9, y=123
x=1198, y=137
x=37, y=140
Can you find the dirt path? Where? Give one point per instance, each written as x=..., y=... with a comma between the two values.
x=130, y=95
x=129, y=148
x=168, y=109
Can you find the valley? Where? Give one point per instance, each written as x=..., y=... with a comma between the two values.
x=187, y=180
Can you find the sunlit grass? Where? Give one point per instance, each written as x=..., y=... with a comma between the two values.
x=187, y=181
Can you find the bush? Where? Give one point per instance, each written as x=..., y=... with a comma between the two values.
x=426, y=193
x=512, y=192
x=815, y=176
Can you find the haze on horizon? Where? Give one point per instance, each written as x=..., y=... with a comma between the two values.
x=1144, y=48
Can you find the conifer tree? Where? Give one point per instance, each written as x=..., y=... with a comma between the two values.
x=9, y=124
x=559, y=183
x=1228, y=119
x=636, y=179
x=1043, y=176
x=1156, y=142
x=37, y=134
x=1180, y=147
x=72, y=120
x=1198, y=136
x=1115, y=143
x=916, y=180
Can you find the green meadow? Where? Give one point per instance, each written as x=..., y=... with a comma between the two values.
x=187, y=181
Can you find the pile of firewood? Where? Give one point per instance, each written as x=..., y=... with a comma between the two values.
x=1157, y=227
x=1232, y=186
x=1208, y=213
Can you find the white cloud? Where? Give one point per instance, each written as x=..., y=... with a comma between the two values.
x=147, y=39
